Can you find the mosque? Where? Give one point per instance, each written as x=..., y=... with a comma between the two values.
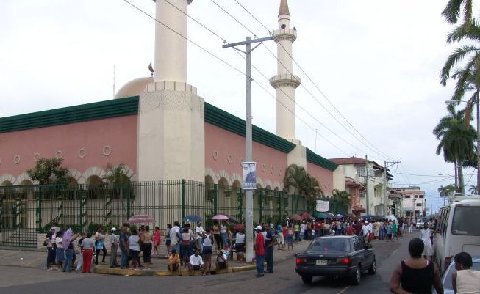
x=158, y=126
x=160, y=129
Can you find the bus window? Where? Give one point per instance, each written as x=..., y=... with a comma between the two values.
x=464, y=220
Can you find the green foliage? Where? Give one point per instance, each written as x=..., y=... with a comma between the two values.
x=49, y=171
x=452, y=10
x=117, y=175
x=298, y=181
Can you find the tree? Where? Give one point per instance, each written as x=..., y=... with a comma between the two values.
x=456, y=141
x=342, y=198
x=298, y=181
x=116, y=175
x=451, y=12
x=49, y=171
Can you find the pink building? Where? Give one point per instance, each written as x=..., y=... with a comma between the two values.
x=90, y=136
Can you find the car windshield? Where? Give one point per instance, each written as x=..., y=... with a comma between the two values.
x=329, y=244
x=465, y=220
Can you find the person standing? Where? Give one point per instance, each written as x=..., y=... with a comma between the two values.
x=269, y=249
x=465, y=280
x=87, y=252
x=260, y=251
x=147, y=245
x=416, y=274
x=156, y=240
x=100, y=245
x=207, y=245
x=425, y=235
x=134, y=246
x=199, y=232
x=114, y=241
x=168, y=240
x=175, y=236
x=124, y=248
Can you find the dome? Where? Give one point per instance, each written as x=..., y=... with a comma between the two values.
x=134, y=87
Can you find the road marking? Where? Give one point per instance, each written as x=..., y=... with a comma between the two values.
x=343, y=290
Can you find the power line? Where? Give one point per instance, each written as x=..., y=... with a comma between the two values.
x=366, y=142
x=264, y=76
x=296, y=103
x=213, y=55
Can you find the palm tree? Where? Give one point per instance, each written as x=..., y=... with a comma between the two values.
x=456, y=141
x=342, y=198
x=451, y=12
x=298, y=181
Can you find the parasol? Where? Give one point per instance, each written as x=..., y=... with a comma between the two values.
x=220, y=217
x=141, y=219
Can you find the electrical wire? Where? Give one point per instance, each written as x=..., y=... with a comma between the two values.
x=366, y=142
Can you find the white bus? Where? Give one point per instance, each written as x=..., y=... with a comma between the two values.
x=457, y=230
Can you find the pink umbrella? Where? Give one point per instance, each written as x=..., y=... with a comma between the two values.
x=220, y=217
x=141, y=219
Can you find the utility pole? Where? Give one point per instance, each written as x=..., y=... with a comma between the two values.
x=248, y=136
x=386, y=165
x=367, y=210
x=478, y=145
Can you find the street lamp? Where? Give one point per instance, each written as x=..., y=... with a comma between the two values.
x=448, y=102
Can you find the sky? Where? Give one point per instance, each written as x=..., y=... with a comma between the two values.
x=369, y=69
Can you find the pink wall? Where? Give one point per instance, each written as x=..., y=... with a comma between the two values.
x=225, y=151
x=118, y=133
x=324, y=177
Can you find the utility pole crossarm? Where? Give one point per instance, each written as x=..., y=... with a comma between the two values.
x=259, y=40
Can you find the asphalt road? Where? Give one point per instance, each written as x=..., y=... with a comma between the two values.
x=283, y=280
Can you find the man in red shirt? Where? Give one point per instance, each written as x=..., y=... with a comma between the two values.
x=260, y=251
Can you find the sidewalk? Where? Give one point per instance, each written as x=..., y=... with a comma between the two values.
x=16, y=257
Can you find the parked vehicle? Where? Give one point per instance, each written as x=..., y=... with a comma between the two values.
x=420, y=223
x=346, y=256
x=447, y=276
x=457, y=230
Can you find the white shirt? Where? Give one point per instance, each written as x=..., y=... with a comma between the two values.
x=199, y=232
x=303, y=227
x=196, y=260
x=173, y=234
x=240, y=238
x=365, y=230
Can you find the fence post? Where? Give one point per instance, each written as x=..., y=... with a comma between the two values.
x=240, y=205
x=38, y=210
x=215, y=199
x=183, y=199
x=260, y=206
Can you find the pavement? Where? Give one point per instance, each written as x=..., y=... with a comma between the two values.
x=36, y=258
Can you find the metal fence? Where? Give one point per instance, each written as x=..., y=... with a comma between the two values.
x=26, y=211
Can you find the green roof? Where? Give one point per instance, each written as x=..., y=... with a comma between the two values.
x=231, y=123
x=314, y=158
x=72, y=114
x=129, y=106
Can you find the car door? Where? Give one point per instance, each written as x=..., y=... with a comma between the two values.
x=359, y=254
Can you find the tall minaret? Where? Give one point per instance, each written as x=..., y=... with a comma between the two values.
x=285, y=82
x=171, y=114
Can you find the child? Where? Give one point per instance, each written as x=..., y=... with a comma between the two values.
x=221, y=262
x=290, y=238
x=156, y=240
x=173, y=261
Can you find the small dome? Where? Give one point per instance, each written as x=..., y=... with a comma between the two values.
x=134, y=87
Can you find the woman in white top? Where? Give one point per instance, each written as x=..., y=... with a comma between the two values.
x=134, y=246
x=465, y=280
x=425, y=235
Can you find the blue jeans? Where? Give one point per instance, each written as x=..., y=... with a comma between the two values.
x=124, y=259
x=67, y=265
x=260, y=259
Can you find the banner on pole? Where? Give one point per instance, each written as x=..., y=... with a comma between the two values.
x=322, y=206
x=249, y=175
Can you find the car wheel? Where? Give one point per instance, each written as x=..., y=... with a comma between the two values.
x=356, y=276
x=373, y=268
x=307, y=279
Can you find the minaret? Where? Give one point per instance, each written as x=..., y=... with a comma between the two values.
x=171, y=135
x=285, y=82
